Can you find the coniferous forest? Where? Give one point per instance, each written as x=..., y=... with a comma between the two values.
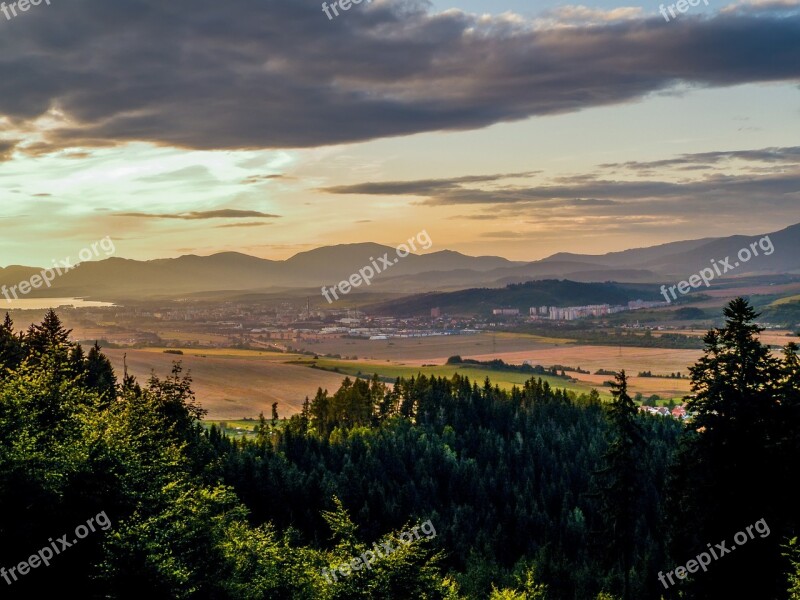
x=532, y=493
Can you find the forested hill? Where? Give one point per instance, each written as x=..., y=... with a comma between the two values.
x=522, y=296
x=511, y=480
x=528, y=493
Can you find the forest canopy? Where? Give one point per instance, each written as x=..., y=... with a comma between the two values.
x=533, y=492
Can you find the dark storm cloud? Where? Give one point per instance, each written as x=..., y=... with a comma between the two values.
x=208, y=214
x=277, y=73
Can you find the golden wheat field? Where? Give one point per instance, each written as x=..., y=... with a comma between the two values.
x=233, y=387
x=436, y=349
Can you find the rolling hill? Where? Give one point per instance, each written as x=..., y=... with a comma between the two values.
x=550, y=292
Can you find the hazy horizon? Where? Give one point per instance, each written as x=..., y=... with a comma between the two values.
x=431, y=250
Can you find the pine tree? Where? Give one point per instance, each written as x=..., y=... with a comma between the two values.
x=620, y=482
x=728, y=473
x=262, y=430
x=49, y=334
x=100, y=373
x=275, y=414
x=11, y=349
x=734, y=382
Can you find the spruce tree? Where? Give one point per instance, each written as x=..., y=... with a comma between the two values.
x=11, y=350
x=619, y=482
x=730, y=472
x=100, y=374
x=48, y=342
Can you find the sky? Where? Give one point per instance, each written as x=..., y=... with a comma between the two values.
x=509, y=128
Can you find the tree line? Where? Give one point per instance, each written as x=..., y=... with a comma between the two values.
x=534, y=491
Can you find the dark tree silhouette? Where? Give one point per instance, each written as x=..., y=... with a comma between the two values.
x=735, y=459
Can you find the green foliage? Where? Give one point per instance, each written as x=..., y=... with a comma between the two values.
x=527, y=589
x=590, y=399
x=534, y=476
x=742, y=447
x=73, y=443
x=498, y=364
x=48, y=336
x=620, y=481
x=793, y=553
x=11, y=347
x=409, y=570
x=505, y=476
x=588, y=333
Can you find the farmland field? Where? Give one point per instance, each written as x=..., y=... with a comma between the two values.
x=659, y=361
x=235, y=384
x=233, y=387
x=240, y=383
x=416, y=351
x=238, y=353
x=612, y=358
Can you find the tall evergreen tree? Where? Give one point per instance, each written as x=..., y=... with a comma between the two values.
x=50, y=333
x=11, y=350
x=620, y=479
x=729, y=472
x=100, y=373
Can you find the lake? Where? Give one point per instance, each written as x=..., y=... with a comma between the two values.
x=43, y=303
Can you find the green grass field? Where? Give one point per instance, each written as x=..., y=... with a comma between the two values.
x=504, y=379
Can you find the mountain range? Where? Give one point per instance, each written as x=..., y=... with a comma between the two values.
x=118, y=278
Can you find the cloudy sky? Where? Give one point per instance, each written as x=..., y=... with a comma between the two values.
x=506, y=127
